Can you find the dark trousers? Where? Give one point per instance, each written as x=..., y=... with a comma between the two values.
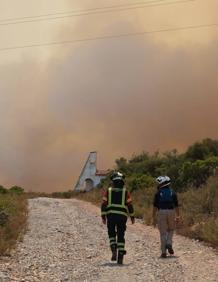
x=116, y=225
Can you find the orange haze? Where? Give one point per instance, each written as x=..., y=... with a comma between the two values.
x=118, y=97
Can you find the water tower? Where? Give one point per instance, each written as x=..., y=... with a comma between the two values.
x=90, y=176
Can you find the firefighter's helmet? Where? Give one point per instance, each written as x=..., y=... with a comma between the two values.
x=117, y=176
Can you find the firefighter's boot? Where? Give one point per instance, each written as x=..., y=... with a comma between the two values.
x=120, y=257
x=114, y=252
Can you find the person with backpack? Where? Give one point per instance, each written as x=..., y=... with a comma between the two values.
x=115, y=208
x=165, y=213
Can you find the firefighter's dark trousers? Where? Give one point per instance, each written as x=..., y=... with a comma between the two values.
x=116, y=225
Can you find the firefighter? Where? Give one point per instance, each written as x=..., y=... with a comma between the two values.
x=166, y=212
x=116, y=206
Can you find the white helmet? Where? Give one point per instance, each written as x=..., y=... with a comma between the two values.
x=163, y=180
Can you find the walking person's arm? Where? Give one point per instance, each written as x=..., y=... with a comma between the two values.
x=104, y=208
x=155, y=209
x=130, y=207
x=176, y=204
x=177, y=215
x=154, y=216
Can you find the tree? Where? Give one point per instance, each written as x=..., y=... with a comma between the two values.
x=196, y=173
x=202, y=150
x=122, y=164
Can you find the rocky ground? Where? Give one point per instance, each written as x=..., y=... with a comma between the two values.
x=66, y=241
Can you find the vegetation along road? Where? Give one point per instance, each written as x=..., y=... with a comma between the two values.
x=66, y=241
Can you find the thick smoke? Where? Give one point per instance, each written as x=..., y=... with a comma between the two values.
x=118, y=97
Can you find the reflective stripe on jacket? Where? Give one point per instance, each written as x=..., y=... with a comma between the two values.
x=117, y=201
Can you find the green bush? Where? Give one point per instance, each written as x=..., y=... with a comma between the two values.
x=3, y=190
x=139, y=181
x=16, y=190
x=191, y=169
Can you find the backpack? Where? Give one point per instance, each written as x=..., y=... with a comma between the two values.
x=166, y=195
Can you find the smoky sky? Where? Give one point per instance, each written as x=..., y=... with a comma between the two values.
x=118, y=97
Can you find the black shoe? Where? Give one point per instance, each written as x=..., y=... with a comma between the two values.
x=114, y=253
x=163, y=255
x=170, y=249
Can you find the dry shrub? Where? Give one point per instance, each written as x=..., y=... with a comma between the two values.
x=16, y=208
x=200, y=212
x=94, y=196
x=142, y=201
x=209, y=231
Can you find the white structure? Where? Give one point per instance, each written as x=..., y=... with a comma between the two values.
x=90, y=177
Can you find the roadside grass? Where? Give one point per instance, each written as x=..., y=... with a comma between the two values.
x=15, y=207
x=94, y=196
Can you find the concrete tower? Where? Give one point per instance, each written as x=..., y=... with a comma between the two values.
x=90, y=177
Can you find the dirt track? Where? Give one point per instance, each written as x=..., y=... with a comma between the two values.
x=66, y=241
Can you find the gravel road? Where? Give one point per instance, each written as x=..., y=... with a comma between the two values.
x=66, y=241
